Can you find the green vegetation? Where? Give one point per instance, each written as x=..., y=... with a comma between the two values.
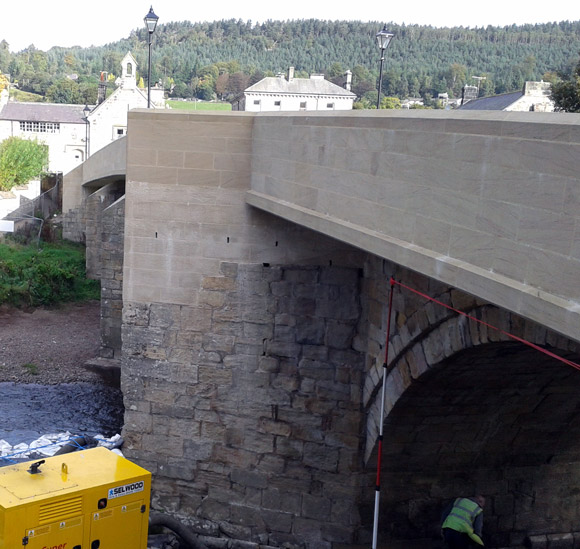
x=25, y=97
x=220, y=59
x=54, y=273
x=31, y=367
x=20, y=161
x=566, y=92
x=199, y=106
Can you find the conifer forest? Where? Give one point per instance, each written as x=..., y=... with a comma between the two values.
x=218, y=60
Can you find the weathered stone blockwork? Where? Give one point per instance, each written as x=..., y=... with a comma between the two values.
x=112, y=233
x=469, y=410
x=95, y=204
x=251, y=420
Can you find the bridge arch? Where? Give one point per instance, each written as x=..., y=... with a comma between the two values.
x=482, y=414
x=446, y=334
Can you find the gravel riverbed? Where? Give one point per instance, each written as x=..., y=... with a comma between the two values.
x=49, y=346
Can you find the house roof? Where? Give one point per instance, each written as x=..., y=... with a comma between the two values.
x=298, y=86
x=43, y=112
x=493, y=103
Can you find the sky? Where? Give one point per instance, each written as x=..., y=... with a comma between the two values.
x=73, y=23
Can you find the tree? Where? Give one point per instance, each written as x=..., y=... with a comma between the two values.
x=21, y=160
x=221, y=84
x=390, y=103
x=64, y=91
x=566, y=92
x=3, y=82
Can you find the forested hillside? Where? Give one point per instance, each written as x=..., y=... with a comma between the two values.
x=224, y=57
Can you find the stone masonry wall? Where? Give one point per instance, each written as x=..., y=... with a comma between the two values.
x=469, y=410
x=253, y=418
x=248, y=412
x=94, y=206
x=112, y=247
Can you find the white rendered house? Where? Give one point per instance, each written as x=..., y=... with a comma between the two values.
x=74, y=132
x=108, y=120
x=62, y=127
x=277, y=93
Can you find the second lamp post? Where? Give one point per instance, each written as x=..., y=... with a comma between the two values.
x=383, y=39
x=151, y=23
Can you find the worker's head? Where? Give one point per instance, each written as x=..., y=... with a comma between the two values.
x=480, y=500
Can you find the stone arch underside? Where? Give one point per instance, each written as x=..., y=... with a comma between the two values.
x=496, y=417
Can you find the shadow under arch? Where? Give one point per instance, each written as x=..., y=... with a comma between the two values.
x=495, y=417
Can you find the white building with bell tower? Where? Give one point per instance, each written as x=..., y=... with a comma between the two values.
x=108, y=120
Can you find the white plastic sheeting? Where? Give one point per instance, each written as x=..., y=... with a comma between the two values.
x=48, y=445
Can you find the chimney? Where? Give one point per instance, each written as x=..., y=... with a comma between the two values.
x=290, y=74
x=348, y=81
x=102, y=89
x=469, y=93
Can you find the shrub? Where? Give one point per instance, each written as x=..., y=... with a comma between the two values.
x=20, y=161
x=52, y=274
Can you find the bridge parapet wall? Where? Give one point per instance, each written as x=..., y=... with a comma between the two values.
x=484, y=202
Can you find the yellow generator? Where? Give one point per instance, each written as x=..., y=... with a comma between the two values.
x=89, y=499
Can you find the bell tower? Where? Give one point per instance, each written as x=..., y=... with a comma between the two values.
x=128, y=72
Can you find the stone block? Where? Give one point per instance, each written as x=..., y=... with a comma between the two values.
x=214, y=510
x=197, y=450
x=317, y=508
x=537, y=542
x=282, y=500
x=268, y=364
x=320, y=456
x=249, y=479
x=560, y=541
x=272, y=427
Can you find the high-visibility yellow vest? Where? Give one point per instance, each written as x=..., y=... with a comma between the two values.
x=462, y=517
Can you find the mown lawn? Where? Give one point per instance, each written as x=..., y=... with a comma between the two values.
x=199, y=106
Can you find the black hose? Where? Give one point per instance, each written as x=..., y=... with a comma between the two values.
x=190, y=539
x=75, y=444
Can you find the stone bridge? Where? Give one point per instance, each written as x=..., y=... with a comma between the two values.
x=246, y=261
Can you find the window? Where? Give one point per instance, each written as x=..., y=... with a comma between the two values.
x=302, y=105
x=256, y=101
x=277, y=103
x=40, y=127
x=330, y=105
x=119, y=132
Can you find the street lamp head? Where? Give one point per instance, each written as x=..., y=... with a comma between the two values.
x=384, y=38
x=151, y=21
x=86, y=111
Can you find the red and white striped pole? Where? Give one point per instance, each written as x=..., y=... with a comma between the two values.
x=381, y=422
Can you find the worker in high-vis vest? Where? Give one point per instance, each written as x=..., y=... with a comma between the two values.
x=463, y=523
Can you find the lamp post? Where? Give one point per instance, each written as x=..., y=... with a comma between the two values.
x=150, y=22
x=383, y=40
x=86, y=112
